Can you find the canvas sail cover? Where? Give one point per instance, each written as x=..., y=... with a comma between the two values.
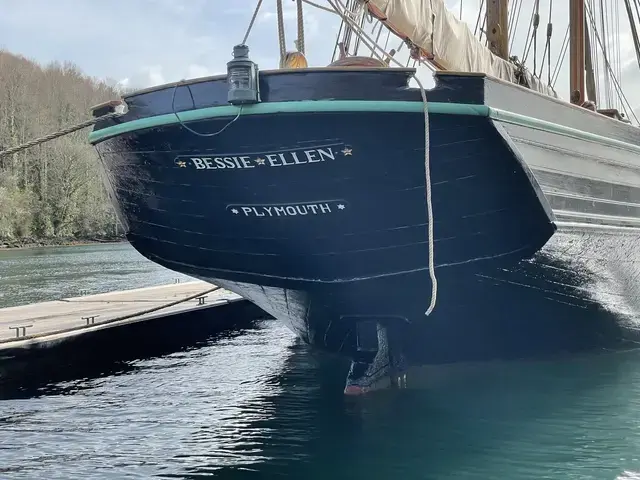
x=431, y=26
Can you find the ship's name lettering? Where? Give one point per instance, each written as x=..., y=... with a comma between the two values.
x=287, y=210
x=284, y=159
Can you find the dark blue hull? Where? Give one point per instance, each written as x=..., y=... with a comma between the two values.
x=319, y=217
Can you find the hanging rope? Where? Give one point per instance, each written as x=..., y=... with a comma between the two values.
x=281, y=39
x=300, y=27
x=427, y=174
x=60, y=133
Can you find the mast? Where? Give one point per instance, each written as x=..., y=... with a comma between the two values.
x=498, y=27
x=576, y=50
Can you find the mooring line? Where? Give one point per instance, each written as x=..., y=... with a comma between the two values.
x=60, y=133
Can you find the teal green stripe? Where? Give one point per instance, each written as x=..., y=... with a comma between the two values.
x=315, y=106
x=307, y=106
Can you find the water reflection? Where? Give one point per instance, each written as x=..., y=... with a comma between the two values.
x=260, y=405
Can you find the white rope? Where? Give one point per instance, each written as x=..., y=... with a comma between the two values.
x=427, y=173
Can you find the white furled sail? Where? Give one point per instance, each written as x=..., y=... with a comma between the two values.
x=430, y=25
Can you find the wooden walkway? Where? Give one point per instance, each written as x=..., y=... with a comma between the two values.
x=30, y=325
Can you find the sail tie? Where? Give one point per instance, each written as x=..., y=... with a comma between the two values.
x=427, y=173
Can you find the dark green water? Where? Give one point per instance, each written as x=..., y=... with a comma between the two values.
x=259, y=405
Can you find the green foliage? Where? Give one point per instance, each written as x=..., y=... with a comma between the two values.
x=55, y=189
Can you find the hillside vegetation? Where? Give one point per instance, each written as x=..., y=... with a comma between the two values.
x=51, y=193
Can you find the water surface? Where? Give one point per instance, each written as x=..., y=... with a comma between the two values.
x=254, y=403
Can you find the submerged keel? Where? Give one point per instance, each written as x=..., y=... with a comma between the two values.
x=379, y=363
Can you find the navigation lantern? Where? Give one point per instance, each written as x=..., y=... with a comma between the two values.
x=242, y=76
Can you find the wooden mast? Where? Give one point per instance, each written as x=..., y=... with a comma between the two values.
x=576, y=50
x=498, y=27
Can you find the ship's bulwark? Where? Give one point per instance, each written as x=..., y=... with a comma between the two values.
x=320, y=219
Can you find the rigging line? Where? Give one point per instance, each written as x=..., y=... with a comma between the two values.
x=386, y=43
x=359, y=16
x=281, y=38
x=346, y=36
x=300, y=16
x=510, y=20
x=480, y=10
x=611, y=47
x=379, y=27
x=361, y=22
x=253, y=19
x=527, y=39
x=549, y=34
x=356, y=21
x=603, y=45
x=547, y=45
x=634, y=30
x=619, y=45
x=533, y=26
x=608, y=66
x=615, y=50
x=363, y=34
x=512, y=34
x=561, y=58
x=535, y=36
x=594, y=51
x=335, y=47
x=320, y=7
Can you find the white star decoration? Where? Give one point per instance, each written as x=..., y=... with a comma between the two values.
x=347, y=151
x=340, y=206
x=260, y=161
x=234, y=211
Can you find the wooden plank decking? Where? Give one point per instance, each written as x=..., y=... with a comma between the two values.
x=29, y=325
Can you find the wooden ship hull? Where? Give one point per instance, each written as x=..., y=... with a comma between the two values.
x=312, y=204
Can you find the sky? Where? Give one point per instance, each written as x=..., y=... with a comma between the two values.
x=141, y=43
